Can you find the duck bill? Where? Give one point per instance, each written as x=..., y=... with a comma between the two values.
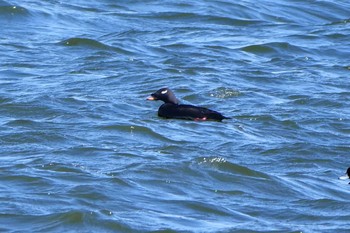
x=344, y=177
x=150, y=98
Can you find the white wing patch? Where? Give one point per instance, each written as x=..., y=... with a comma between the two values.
x=164, y=92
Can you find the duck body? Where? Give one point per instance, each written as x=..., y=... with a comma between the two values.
x=172, y=109
x=188, y=112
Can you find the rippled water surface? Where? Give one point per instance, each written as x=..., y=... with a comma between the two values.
x=82, y=151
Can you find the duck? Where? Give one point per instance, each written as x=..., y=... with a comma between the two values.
x=171, y=108
x=346, y=176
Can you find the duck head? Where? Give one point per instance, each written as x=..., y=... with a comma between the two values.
x=165, y=95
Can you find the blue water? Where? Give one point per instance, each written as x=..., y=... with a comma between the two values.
x=83, y=151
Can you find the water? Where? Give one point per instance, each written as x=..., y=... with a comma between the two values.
x=82, y=151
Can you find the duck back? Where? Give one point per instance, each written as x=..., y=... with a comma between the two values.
x=184, y=111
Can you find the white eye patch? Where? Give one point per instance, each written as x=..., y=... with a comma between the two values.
x=164, y=92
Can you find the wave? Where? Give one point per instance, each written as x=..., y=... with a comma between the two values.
x=10, y=11
x=273, y=48
x=92, y=44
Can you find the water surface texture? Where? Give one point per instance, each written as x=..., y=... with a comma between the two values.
x=83, y=151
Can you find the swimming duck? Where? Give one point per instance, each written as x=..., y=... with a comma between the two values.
x=172, y=109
